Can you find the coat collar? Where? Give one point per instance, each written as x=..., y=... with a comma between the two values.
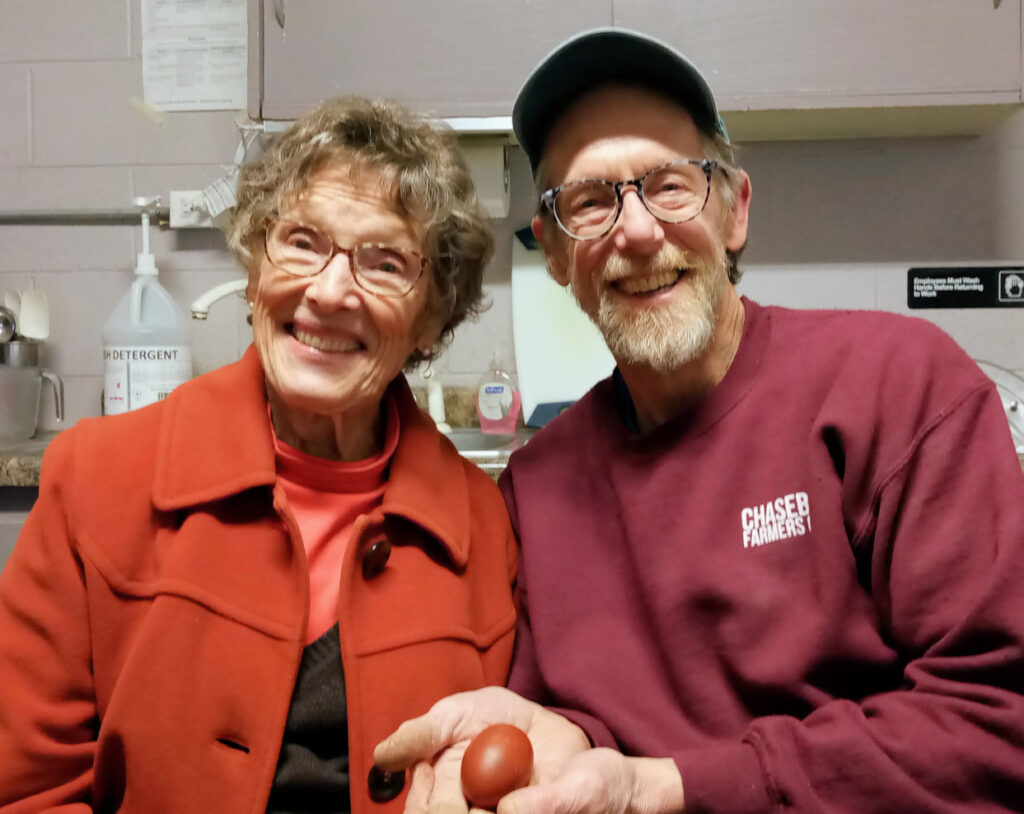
x=215, y=441
x=427, y=481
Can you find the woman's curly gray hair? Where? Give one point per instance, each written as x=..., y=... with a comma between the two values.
x=417, y=159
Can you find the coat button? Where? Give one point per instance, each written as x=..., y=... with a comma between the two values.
x=375, y=558
x=384, y=785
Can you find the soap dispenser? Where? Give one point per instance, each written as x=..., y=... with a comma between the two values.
x=146, y=340
x=497, y=399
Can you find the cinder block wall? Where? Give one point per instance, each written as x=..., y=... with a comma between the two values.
x=834, y=224
x=72, y=138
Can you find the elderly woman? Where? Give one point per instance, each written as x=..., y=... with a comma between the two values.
x=221, y=602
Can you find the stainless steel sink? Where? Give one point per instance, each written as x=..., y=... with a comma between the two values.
x=471, y=439
x=489, y=452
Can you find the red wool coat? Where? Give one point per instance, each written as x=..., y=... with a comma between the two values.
x=153, y=612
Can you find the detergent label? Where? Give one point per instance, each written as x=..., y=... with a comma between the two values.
x=137, y=375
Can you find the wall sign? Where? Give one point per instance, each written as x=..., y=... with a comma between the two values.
x=967, y=287
x=194, y=54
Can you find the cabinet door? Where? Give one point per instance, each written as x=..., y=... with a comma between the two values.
x=445, y=57
x=796, y=54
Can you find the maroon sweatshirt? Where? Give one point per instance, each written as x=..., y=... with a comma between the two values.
x=809, y=591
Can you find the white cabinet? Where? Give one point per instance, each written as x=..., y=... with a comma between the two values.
x=448, y=58
x=786, y=69
x=792, y=66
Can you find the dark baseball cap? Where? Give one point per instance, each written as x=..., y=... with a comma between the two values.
x=599, y=57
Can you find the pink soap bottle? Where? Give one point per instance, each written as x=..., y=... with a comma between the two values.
x=497, y=400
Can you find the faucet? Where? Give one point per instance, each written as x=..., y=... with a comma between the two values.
x=201, y=307
x=435, y=399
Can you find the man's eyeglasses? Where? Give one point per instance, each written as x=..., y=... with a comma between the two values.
x=302, y=251
x=673, y=193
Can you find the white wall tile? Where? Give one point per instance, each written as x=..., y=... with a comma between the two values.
x=27, y=249
x=993, y=334
x=190, y=249
x=83, y=115
x=14, y=107
x=61, y=188
x=60, y=30
x=161, y=178
x=470, y=352
x=810, y=286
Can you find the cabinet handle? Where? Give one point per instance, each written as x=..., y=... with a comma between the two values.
x=279, y=12
x=995, y=3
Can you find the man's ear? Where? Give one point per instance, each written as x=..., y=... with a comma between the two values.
x=738, y=219
x=553, y=251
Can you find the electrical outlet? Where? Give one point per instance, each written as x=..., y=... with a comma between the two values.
x=188, y=211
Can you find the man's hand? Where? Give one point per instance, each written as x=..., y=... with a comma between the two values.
x=603, y=781
x=440, y=738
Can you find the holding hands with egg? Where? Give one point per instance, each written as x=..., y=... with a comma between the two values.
x=569, y=777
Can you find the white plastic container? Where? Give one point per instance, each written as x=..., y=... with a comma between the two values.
x=146, y=340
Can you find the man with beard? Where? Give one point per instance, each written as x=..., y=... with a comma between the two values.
x=775, y=560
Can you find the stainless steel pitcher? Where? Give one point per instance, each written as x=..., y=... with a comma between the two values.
x=21, y=384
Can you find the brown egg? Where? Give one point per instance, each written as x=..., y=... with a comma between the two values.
x=497, y=761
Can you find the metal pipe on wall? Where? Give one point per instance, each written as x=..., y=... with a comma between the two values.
x=83, y=217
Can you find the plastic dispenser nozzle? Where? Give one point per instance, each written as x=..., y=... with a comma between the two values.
x=146, y=263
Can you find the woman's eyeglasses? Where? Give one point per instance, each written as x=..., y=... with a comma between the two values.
x=303, y=251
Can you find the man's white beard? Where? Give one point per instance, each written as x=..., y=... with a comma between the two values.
x=670, y=335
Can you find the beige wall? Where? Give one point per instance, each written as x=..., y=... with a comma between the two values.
x=834, y=224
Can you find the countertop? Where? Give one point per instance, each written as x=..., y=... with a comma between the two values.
x=20, y=462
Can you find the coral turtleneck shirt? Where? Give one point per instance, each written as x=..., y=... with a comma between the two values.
x=326, y=497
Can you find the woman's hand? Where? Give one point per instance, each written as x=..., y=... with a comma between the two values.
x=440, y=737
